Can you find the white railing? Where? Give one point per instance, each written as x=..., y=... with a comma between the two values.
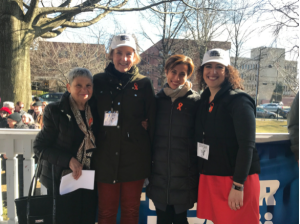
x=16, y=141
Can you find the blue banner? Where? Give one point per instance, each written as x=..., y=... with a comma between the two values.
x=279, y=188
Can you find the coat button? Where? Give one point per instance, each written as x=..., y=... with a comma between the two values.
x=118, y=126
x=117, y=153
x=114, y=181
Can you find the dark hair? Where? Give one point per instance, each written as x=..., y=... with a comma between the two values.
x=178, y=59
x=36, y=99
x=231, y=75
x=19, y=103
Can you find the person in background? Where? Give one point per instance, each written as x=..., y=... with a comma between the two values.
x=19, y=108
x=31, y=108
x=67, y=141
x=38, y=113
x=122, y=160
x=28, y=119
x=9, y=105
x=4, y=113
x=173, y=184
x=44, y=105
x=15, y=121
x=293, y=127
x=228, y=161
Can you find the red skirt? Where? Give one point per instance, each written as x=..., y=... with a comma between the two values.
x=213, y=195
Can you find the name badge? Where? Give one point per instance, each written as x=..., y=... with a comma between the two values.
x=111, y=118
x=202, y=150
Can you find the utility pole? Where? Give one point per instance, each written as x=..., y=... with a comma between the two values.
x=257, y=76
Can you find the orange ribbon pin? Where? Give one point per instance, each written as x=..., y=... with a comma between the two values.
x=136, y=87
x=179, y=106
x=211, y=106
x=90, y=121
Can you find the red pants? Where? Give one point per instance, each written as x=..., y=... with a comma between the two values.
x=110, y=195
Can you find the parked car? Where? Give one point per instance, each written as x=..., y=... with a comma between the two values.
x=284, y=112
x=51, y=97
x=273, y=107
x=262, y=113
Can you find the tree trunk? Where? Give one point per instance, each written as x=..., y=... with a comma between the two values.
x=15, y=41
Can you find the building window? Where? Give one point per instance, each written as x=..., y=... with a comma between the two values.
x=264, y=83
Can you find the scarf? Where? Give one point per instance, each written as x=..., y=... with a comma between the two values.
x=179, y=92
x=84, y=152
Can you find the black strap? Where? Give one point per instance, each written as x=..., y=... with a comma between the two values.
x=34, y=182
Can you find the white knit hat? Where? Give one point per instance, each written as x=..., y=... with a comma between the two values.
x=216, y=55
x=123, y=40
x=8, y=104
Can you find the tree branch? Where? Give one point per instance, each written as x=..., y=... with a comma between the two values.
x=30, y=15
x=85, y=24
x=53, y=33
x=118, y=8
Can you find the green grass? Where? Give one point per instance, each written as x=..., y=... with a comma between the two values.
x=271, y=126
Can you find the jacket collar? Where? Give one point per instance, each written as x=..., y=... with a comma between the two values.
x=131, y=74
x=64, y=104
x=162, y=93
x=224, y=88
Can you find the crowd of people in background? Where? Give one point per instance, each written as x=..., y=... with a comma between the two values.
x=14, y=116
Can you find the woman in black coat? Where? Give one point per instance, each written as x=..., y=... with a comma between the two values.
x=174, y=179
x=67, y=142
x=122, y=160
x=225, y=133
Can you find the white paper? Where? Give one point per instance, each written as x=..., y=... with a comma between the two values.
x=203, y=150
x=69, y=184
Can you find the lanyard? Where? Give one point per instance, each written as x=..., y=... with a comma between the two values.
x=118, y=88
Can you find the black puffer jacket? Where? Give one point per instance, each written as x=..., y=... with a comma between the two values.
x=174, y=177
x=229, y=130
x=57, y=138
x=124, y=151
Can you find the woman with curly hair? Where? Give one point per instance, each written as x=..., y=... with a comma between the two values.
x=228, y=162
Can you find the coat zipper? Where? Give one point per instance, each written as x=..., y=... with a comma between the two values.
x=169, y=169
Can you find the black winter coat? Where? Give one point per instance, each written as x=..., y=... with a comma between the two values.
x=56, y=138
x=174, y=177
x=124, y=151
x=229, y=130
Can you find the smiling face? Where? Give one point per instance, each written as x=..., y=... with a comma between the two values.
x=214, y=75
x=81, y=89
x=177, y=76
x=123, y=58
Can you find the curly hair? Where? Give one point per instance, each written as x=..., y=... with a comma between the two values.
x=231, y=75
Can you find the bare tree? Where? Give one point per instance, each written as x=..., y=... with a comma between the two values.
x=52, y=61
x=168, y=23
x=24, y=20
x=207, y=22
x=281, y=16
x=239, y=27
